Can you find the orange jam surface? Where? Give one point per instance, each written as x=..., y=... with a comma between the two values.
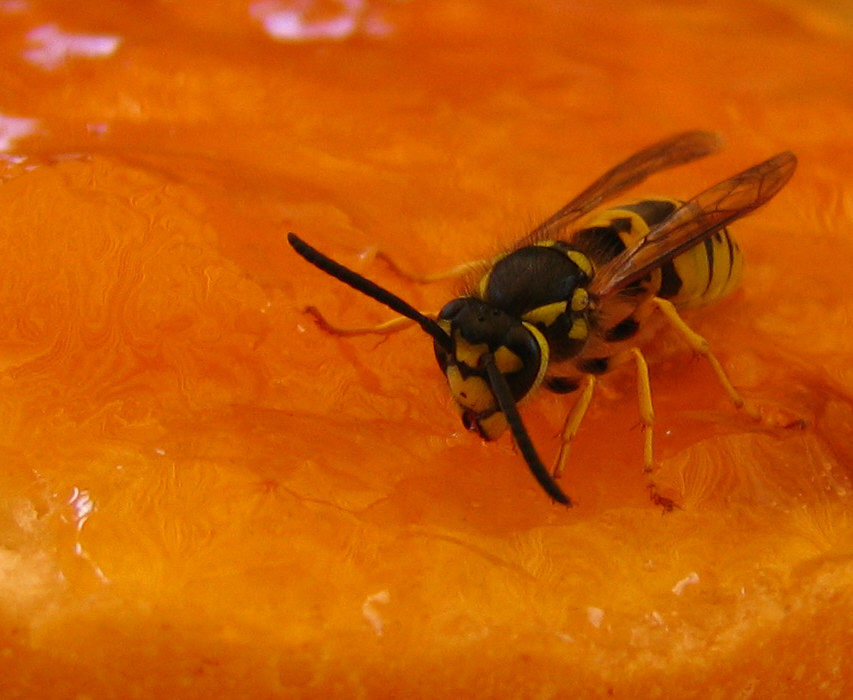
x=202, y=494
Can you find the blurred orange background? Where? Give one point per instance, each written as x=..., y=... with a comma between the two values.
x=204, y=495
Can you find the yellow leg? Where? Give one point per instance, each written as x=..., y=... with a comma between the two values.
x=647, y=418
x=452, y=273
x=386, y=328
x=573, y=422
x=700, y=345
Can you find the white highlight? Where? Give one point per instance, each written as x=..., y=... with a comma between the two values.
x=83, y=506
x=371, y=614
x=52, y=47
x=595, y=616
x=691, y=579
x=293, y=21
x=14, y=128
x=656, y=619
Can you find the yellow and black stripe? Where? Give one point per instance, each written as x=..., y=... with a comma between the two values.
x=560, y=308
x=701, y=275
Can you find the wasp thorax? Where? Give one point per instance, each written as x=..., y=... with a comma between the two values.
x=535, y=276
x=476, y=329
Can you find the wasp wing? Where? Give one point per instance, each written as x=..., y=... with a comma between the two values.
x=676, y=150
x=696, y=221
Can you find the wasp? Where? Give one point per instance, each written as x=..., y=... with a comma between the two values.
x=570, y=301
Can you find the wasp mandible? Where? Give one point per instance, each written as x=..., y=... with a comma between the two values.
x=568, y=303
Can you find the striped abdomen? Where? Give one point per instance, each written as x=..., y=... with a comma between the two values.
x=705, y=273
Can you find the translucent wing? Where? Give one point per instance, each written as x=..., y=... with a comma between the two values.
x=697, y=220
x=668, y=153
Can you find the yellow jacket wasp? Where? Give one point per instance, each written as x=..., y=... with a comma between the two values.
x=565, y=304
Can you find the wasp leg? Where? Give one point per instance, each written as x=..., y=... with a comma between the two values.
x=573, y=422
x=700, y=345
x=452, y=273
x=386, y=328
x=647, y=418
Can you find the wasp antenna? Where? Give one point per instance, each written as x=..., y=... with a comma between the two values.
x=506, y=402
x=371, y=289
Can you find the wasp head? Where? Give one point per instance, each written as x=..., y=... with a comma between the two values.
x=504, y=356
x=477, y=329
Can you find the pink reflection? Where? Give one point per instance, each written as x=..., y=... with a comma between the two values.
x=14, y=128
x=52, y=47
x=300, y=21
